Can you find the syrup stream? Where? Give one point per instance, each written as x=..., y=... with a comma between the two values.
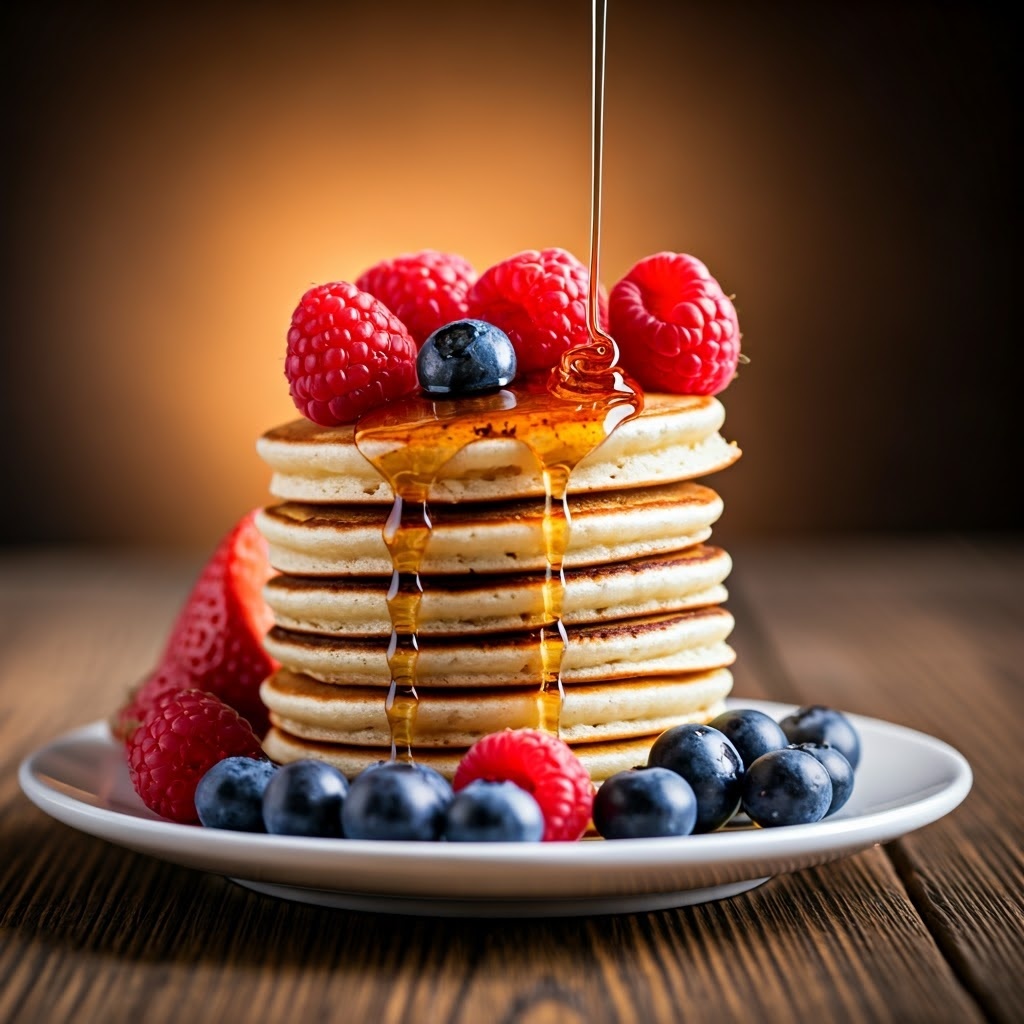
x=561, y=420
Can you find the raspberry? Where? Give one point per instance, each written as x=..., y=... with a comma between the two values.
x=347, y=353
x=425, y=290
x=544, y=766
x=164, y=682
x=676, y=329
x=539, y=299
x=177, y=743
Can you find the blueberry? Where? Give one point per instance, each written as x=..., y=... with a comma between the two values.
x=395, y=800
x=230, y=794
x=818, y=724
x=838, y=768
x=643, y=802
x=464, y=357
x=304, y=798
x=786, y=787
x=494, y=812
x=752, y=733
x=711, y=765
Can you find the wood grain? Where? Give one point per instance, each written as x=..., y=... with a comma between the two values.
x=927, y=929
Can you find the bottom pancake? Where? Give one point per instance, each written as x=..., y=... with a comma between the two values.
x=601, y=758
x=355, y=715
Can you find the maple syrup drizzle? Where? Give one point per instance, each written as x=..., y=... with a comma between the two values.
x=561, y=420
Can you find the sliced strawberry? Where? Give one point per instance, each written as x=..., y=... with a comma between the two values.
x=216, y=642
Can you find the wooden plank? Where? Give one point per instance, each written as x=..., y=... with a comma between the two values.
x=927, y=635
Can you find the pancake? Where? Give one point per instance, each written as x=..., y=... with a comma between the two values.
x=602, y=759
x=653, y=645
x=311, y=540
x=676, y=437
x=354, y=715
x=492, y=604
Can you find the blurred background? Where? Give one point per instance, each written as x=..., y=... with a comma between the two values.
x=176, y=176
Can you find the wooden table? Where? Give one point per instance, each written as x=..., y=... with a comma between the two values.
x=926, y=633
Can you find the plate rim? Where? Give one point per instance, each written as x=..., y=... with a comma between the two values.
x=248, y=856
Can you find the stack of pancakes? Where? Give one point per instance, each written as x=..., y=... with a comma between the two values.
x=647, y=644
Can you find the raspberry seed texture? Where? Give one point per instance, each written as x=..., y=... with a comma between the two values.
x=676, y=329
x=347, y=353
x=544, y=766
x=425, y=290
x=539, y=299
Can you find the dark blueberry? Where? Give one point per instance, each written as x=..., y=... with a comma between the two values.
x=838, y=768
x=752, y=733
x=464, y=357
x=494, y=812
x=395, y=800
x=786, y=787
x=818, y=724
x=711, y=765
x=304, y=798
x=645, y=802
x=230, y=794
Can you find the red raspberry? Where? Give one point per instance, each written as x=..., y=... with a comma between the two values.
x=347, y=353
x=163, y=683
x=425, y=290
x=543, y=765
x=539, y=299
x=178, y=743
x=676, y=329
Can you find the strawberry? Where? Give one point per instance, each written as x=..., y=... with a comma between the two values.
x=216, y=642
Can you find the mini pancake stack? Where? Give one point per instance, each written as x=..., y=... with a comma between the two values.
x=647, y=635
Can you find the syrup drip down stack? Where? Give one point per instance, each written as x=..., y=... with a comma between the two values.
x=642, y=605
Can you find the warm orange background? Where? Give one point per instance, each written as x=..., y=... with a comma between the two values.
x=175, y=179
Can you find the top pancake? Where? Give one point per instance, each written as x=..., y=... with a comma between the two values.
x=676, y=437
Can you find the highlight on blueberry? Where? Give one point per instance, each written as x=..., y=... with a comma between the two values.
x=230, y=794
x=786, y=787
x=487, y=812
x=752, y=732
x=816, y=723
x=304, y=798
x=395, y=800
x=466, y=357
x=839, y=769
x=706, y=758
x=642, y=803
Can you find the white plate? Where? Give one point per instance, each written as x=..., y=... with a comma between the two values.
x=905, y=780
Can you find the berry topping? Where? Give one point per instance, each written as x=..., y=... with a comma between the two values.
x=786, y=787
x=395, y=800
x=751, y=732
x=178, y=743
x=217, y=639
x=230, y=794
x=347, y=353
x=710, y=763
x=645, y=802
x=494, y=812
x=424, y=289
x=164, y=682
x=544, y=766
x=539, y=299
x=818, y=724
x=676, y=329
x=466, y=357
x=305, y=798
x=839, y=769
